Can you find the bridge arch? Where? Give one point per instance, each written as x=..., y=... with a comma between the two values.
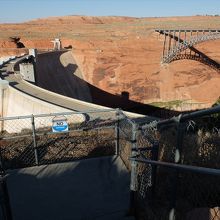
x=196, y=57
x=192, y=41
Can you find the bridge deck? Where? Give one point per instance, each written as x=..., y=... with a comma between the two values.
x=186, y=30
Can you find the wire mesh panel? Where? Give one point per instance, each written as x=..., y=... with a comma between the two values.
x=76, y=120
x=196, y=192
x=147, y=139
x=148, y=135
x=125, y=140
x=97, y=119
x=33, y=140
x=53, y=148
x=16, y=142
x=201, y=142
x=154, y=199
x=167, y=142
x=17, y=152
x=164, y=136
x=173, y=193
x=16, y=126
x=181, y=195
x=162, y=192
x=147, y=143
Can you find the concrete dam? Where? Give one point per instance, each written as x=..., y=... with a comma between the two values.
x=58, y=72
x=58, y=85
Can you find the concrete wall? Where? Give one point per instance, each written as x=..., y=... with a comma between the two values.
x=58, y=72
x=27, y=71
x=16, y=103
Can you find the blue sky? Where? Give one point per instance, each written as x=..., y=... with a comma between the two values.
x=23, y=10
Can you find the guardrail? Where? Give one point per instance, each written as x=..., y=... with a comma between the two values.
x=175, y=167
x=174, y=163
x=29, y=140
x=35, y=140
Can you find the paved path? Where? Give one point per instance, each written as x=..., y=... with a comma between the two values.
x=92, y=189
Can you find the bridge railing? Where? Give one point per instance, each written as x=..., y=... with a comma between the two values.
x=187, y=43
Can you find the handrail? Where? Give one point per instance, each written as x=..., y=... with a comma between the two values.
x=183, y=167
x=186, y=116
x=57, y=114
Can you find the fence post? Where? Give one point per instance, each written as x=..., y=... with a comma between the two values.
x=177, y=160
x=34, y=141
x=117, y=147
x=154, y=156
x=133, y=183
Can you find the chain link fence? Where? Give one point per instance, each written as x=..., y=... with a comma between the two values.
x=177, y=172
x=53, y=138
x=125, y=139
x=32, y=140
x=174, y=163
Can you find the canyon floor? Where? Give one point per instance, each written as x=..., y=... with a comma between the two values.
x=123, y=55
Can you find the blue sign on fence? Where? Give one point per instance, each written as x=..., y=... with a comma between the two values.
x=60, y=124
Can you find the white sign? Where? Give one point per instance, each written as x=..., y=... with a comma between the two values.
x=60, y=124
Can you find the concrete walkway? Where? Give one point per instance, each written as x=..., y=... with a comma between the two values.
x=92, y=189
x=63, y=74
x=16, y=81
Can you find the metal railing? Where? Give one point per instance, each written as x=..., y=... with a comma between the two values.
x=177, y=170
x=33, y=140
x=174, y=163
x=189, y=43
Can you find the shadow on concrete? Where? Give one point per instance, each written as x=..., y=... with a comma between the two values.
x=52, y=75
x=88, y=189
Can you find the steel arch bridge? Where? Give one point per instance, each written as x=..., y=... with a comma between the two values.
x=176, y=48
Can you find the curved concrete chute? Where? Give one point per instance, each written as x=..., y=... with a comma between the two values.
x=60, y=83
x=58, y=72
